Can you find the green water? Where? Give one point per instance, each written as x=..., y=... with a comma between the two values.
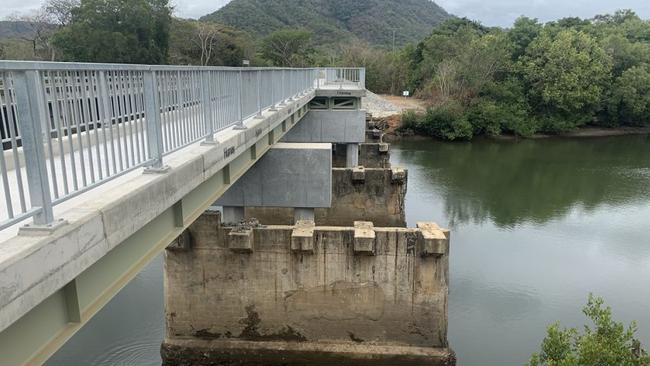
x=537, y=225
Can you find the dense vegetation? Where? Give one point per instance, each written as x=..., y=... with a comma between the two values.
x=334, y=22
x=133, y=31
x=531, y=78
x=607, y=343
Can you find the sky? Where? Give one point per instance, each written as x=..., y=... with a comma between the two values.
x=489, y=12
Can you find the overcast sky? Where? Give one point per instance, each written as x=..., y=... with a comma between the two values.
x=489, y=12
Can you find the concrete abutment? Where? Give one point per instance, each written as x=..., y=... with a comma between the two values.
x=307, y=295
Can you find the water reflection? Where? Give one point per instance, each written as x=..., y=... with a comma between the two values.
x=511, y=183
x=537, y=226
x=128, y=331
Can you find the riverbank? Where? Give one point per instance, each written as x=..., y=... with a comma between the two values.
x=387, y=111
x=394, y=135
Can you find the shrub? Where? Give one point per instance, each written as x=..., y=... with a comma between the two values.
x=609, y=343
x=447, y=122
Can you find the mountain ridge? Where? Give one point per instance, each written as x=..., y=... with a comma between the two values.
x=334, y=21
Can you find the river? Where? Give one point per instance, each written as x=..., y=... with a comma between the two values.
x=536, y=225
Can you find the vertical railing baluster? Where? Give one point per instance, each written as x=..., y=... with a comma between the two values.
x=30, y=113
x=154, y=126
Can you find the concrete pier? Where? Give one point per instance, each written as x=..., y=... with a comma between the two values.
x=374, y=194
x=307, y=295
x=352, y=156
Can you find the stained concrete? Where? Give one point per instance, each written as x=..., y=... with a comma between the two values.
x=327, y=305
x=378, y=197
x=371, y=155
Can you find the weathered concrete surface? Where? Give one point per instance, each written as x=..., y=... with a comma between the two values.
x=214, y=352
x=332, y=126
x=371, y=155
x=327, y=305
x=378, y=198
x=289, y=175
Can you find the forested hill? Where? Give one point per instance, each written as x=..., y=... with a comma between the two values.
x=333, y=21
x=14, y=29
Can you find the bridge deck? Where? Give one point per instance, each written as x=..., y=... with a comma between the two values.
x=53, y=281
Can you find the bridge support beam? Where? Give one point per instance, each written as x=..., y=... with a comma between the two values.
x=352, y=156
x=330, y=126
x=290, y=175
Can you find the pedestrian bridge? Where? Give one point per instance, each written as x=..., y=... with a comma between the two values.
x=104, y=165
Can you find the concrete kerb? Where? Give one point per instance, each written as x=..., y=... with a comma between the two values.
x=63, y=255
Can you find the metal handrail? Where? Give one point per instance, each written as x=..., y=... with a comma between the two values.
x=69, y=127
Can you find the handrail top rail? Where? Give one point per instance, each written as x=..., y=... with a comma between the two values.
x=11, y=65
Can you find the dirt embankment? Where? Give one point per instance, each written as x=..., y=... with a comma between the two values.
x=386, y=111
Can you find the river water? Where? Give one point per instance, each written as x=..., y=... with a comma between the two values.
x=536, y=226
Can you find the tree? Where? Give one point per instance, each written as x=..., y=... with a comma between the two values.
x=630, y=101
x=608, y=343
x=288, y=48
x=206, y=37
x=523, y=32
x=40, y=33
x=385, y=71
x=567, y=74
x=122, y=31
x=206, y=43
x=60, y=11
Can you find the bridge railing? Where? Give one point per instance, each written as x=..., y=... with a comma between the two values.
x=69, y=127
x=345, y=76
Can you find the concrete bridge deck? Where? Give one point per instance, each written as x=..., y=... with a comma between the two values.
x=59, y=271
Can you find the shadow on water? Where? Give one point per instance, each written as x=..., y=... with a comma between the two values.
x=533, y=181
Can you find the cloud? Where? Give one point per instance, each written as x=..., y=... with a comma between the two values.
x=197, y=8
x=504, y=12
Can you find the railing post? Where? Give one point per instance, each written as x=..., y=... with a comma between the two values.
x=259, y=94
x=207, y=109
x=240, y=122
x=154, y=125
x=31, y=113
x=362, y=77
x=272, y=83
x=284, y=90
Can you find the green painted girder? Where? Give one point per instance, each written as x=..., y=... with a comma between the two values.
x=38, y=334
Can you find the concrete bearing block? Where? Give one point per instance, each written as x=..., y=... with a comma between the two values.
x=364, y=238
x=398, y=175
x=358, y=174
x=302, y=236
x=240, y=240
x=182, y=243
x=384, y=148
x=432, y=240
